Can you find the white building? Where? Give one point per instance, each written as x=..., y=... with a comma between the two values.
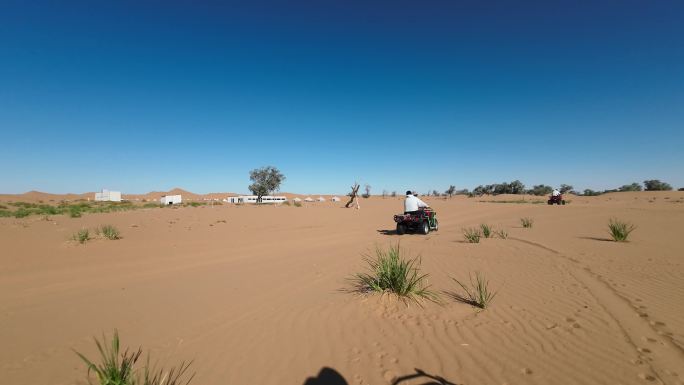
x=297, y=199
x=171, y=200
x=253, y=199
x=108, y=196
x=321, y=199
x=308, y=199
x=335, y=199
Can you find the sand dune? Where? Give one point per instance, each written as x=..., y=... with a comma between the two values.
x=258, y=295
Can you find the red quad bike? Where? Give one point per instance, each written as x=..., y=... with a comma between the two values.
x=422, y=222
x=556, y=200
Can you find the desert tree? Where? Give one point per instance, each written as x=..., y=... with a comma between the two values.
x=384, y=194
x=354, y=192
x=656, y=185
x=367, y=188
x=394, y=194
x=564, y=188
x=630, y=187
x=435, y=193
x=450, y=191
x=265, y=180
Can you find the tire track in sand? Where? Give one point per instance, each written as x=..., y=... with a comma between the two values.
x=654, y=349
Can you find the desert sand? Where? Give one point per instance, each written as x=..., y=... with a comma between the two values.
x=261, y=295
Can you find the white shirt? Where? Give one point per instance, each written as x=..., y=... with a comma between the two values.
x=412, y=203
x=555, y=193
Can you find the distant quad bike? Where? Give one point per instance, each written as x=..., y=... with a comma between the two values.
x=558, y=200
x=421, y=222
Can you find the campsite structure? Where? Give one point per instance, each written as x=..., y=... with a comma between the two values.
x=108, y=196
x=253, y=199
x=171, y=200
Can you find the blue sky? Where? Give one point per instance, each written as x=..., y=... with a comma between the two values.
x=140, y=96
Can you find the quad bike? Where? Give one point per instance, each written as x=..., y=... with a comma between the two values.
x=421, y=221
x=558, y=199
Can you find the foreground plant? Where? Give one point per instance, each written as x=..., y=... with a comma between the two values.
x=486, y=230
x=477, y=294
x=117, y=368
x=472, y=235
x=82, y=236
x=110, y=232
x=503, y=234
x=526, y=222
x=390, y=272
x=620, y=230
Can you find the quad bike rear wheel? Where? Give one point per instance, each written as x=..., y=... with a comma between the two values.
x=436, y=227
x=401, y=228
x=425, y=229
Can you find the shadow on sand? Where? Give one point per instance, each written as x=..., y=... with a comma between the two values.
x=330, y=376
x=430, y=379
x=326, y=376
x=388, y=232
x=597, y=239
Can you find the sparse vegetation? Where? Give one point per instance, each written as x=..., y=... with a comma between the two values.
x=478, y=294
x=265, y=180
x=486, y=230
x=391, y=273
x=526, y=222
x=286, y=203
x=503, y=234
x=620, y=230
x=472, y=235
x=82, y=236
x=117, y=368
x=656, y=185
x=110, y=232
x=297, y=204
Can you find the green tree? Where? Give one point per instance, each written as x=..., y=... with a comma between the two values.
x=630, y=187
x=265, y=181
x=656, y=185
x=565, y=188
x=450, y=191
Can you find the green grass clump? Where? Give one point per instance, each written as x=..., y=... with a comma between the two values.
x=391, y=273
x=526, y=222
x=472, y=235
x=22, y=213
x=478, y=294
x=110, y=232
x=151, y=205
x=297, y=204
x=620, y=230
x=503, y=234
x=75, y=212
x=82, y=236
x=286, y=203
x=6, y=213
x=487, y=231
x=116, y=368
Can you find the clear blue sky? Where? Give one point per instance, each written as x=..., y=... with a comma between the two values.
x=139, y=96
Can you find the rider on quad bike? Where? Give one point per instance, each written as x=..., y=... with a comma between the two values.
x=418, y=216
x=556, y=198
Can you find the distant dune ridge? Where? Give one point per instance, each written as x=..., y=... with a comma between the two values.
x=37, y=196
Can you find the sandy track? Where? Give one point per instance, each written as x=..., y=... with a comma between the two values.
x=260, y=298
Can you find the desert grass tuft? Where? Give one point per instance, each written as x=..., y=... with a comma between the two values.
x=116, y=368
x=297, y=204
x=487, y=231
x=82, y=236
x=478, y=294
x=112, y=370
x=391, y=273
x=503, y=234
x=472, y=235
x=526, y=222
x=110, y=232
x=620, y=230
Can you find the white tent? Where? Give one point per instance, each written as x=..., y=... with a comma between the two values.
x=171, y=200
x=308, y=199
x=297, y=200
x=335, y=199
x=321, y=199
